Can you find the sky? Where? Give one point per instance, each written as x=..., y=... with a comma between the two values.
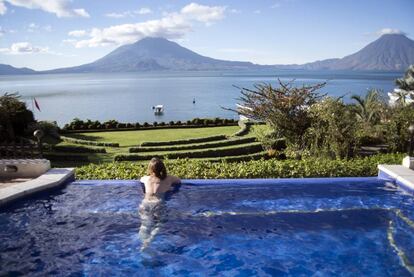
x=47, y=34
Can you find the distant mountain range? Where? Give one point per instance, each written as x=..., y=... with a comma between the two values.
x=391, y=52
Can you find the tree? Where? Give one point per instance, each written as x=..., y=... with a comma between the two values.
x=368, y=109
x=284, y=108
x=333, y=129
x=405, y=87
x=407, y=82
x=14, y=116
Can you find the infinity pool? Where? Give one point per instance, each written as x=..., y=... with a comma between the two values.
x=295, y=227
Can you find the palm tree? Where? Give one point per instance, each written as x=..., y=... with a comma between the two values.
x=407, y=82
x=368, y=109
x=405, y=87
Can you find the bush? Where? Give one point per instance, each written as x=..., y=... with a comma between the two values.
x=89, y=142
x=145, y=124
x=14, y=116
x=397, y=135
x=217, y=152
x=244, y=128
x=184, y=141
x=78, y=149
x=333, y=130
x=54, y=157
x=197, y=169
x=192, y=146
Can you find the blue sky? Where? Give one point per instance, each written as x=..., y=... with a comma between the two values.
x=45, y=34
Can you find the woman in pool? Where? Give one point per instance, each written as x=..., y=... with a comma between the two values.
x=158, y=182
x=152, y=210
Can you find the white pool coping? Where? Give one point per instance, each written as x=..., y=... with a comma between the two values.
x=400, y=174
x=52, y=178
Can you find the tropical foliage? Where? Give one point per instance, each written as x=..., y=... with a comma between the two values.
x=196, y=169
x=14, y=116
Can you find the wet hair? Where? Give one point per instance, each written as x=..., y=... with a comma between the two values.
x=157, y=167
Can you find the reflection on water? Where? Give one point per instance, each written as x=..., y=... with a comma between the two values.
x=153, y=213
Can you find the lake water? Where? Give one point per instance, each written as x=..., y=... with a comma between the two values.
x=129, y=97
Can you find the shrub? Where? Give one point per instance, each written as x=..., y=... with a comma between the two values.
x=78, y=149
x=145, y=124
x=184, y=141
x=397, y=135
x=89, y=142
x=217, y=152
x=285, y=108
x=137, y=125
x=171, y=123
x=155, y=123
x=333, y=129
x=198, y=169
x=244, y=128
x=162, y=123
x=192, y=146
x=54, y=157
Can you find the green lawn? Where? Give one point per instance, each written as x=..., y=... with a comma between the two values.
x=131, y=138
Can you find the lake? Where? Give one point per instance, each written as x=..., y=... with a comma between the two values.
x=129, y=97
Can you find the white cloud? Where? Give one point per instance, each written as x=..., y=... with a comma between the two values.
x=389, y=31
x=77, y=33
x=24, y=48
x=275, y=6
x=60, y=8
x=118, y=15
x=143, y=11
x=171, y=26
x=203, y=13
x=257, y=12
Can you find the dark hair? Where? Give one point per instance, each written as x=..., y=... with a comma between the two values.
x=157, y=167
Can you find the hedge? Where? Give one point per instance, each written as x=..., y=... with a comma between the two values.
x=78, y=149
x=183, y=141
x=66, y=157
x=89, y=142
x=244, y=128
x=196, y=169
x=192, y=146
x=217, y=152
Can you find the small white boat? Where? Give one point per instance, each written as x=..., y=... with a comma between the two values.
x=158, y=110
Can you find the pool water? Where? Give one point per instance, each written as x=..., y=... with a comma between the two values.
x=296, y=227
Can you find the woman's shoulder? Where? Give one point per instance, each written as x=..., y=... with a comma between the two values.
x=144, y=179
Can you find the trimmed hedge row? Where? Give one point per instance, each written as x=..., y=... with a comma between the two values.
x=192, y=146
x=67, y=157
x=198, y=169
x=242, y=158
x=143, y=128
x=244, y=128
x=183, y=141
x=233, y=151
x=80, y=125
x=78, y=149
x=89, y=142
